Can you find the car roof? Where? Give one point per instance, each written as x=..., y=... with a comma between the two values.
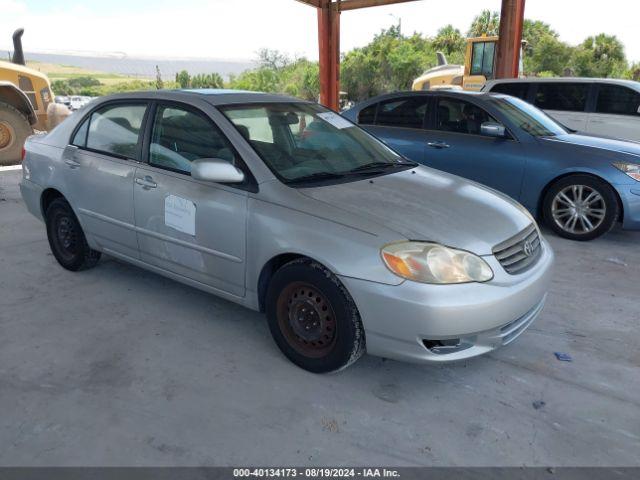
x=430, y=93
x=614, y=81
x=216, y=97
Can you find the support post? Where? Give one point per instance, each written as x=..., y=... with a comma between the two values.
x=510, y=42
x=329, y=53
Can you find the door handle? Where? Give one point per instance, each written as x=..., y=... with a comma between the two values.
x=146, y=182
x=72, y=163
x=438, y=145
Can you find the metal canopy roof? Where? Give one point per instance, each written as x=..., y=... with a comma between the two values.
x=343, y=5
x=507, y=56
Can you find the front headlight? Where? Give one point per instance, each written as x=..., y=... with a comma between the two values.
x=631, y=169
x=433, y=263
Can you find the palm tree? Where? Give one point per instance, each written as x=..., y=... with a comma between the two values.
x=487, y=23
x=449, y=40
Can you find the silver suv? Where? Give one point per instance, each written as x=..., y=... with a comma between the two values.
x=600, y=106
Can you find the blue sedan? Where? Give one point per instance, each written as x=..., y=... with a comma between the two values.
x=579, y=185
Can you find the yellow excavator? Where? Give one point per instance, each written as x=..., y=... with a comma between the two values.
x=479, y=66
x=26, y=103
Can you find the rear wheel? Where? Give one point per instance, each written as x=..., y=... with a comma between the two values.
x=14, y=130
x=581, y=207
x=66, y=238
x=312, y=317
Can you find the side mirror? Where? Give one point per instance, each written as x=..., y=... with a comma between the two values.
x=216, y=170
x=493, y=129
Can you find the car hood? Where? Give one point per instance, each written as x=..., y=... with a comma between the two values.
x=426, y=204
x=610, y=144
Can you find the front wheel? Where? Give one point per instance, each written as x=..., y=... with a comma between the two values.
x=66, y=238
x=313, y=319
x=580, y=207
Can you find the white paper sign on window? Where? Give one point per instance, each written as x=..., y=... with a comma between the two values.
x=180, y=214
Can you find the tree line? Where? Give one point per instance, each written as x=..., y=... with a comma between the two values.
x=392, y=60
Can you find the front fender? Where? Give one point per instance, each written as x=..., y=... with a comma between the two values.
x=15, y=97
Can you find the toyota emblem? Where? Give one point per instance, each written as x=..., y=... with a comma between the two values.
x=527, y=248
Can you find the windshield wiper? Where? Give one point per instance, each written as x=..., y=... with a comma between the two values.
x=315, y=177
x=380, y=166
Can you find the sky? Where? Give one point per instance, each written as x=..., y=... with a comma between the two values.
x=237, y=29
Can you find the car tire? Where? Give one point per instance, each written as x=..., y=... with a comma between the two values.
x=66, y=238
x=312, y=318
x=581, y=207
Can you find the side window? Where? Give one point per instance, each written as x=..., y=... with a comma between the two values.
x=461, y=117
x=367, y=116
x=568, y=97
x=483, y=58
x=618, y=100
x=407, y=112
x=515, y=89
x=116, y=129
x=181, y=136
x=80, y=138
x=252, y=125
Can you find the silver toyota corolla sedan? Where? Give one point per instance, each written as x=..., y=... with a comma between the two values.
x=287, y=208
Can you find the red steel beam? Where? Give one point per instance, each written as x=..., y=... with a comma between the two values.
x=354, y=4
x=329, y=54
x=312, y=3
x=510, y=41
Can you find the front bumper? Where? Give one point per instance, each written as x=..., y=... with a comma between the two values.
x=630, y=196
x=439, y=323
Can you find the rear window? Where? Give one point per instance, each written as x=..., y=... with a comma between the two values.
x=407, y=112
x=570, y=97
x=618, y=100
x=516, y=89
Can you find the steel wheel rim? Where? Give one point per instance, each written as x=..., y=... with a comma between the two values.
x=306, y=319
x=578, y=209
x=66, y=236
x=6, y=135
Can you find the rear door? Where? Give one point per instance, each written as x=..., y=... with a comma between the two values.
x=101, y=159
x=454, y=144
x=564, y=101
x=399, y=122
x=194, y=229
x=617, y=112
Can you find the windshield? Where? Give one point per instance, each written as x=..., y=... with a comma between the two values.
x=305, y=142
x=527, y=117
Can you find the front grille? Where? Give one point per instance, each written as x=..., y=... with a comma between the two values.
x=519, y=252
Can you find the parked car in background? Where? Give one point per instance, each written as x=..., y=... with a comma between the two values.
x=63, y=100
x=285, y=207
x=78, y=101
x=606, y=107
x=580, y=185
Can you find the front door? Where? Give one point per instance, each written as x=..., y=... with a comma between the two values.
x=455, y=145
x=191, y=228
x=617, y=113
x=102, y=159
